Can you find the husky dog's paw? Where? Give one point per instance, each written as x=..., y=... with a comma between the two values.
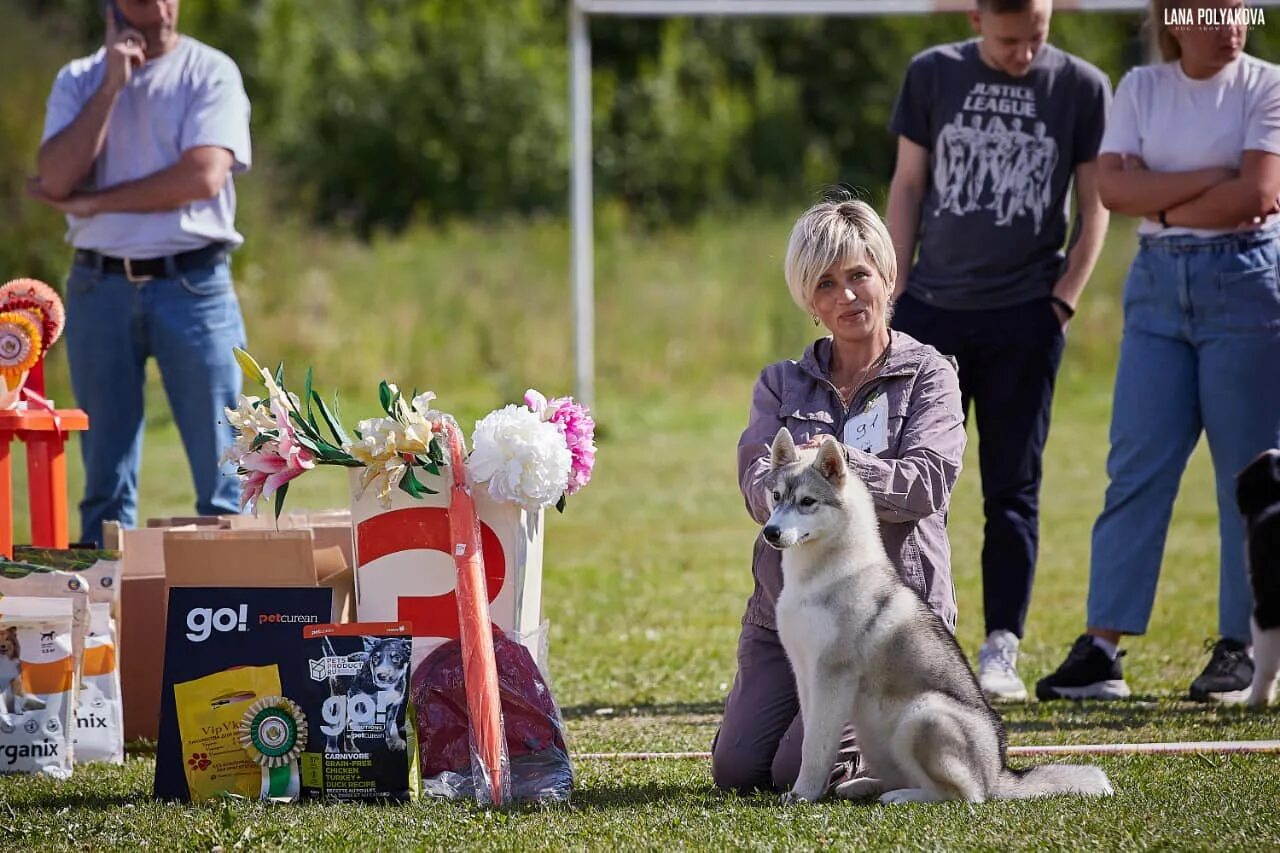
x=861, y=788
x=791, y=798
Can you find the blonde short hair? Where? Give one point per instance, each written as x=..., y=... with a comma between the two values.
x=836, y=231
x=1163, y=46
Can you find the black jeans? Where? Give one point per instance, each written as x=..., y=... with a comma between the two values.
x=1008, y=359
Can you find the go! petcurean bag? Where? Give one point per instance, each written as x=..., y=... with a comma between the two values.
x=364, y=743
x=37, y=681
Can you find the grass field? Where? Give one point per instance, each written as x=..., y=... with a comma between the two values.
x=647, y=573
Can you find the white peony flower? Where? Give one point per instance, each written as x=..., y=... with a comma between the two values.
x=523, y=459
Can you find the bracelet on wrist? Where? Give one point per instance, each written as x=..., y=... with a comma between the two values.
x=1064, y=305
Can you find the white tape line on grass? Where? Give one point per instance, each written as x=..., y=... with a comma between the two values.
x=1181, y=748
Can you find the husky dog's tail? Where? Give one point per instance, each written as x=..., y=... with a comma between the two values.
x=1049, y=780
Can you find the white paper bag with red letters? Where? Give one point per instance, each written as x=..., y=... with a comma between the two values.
x=405, y=570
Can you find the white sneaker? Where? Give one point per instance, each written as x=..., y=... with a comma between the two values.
x=998, y=668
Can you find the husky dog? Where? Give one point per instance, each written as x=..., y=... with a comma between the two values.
x=866, y=649
x=1258, y=496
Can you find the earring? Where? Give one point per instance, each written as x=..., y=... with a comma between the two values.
x=815, y=319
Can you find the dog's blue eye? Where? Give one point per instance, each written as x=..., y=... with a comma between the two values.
x=807, y=502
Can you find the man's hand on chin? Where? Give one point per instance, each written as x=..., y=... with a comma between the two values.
x=76, y=204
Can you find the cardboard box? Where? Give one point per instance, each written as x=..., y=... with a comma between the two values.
x=155, y=558
x=331, y=527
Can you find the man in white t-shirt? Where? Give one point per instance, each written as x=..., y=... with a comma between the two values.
x=140, y=142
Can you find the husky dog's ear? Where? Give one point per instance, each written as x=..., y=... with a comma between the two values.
x=830, y=463
x=784, y=449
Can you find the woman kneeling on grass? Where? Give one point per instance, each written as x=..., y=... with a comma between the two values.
x=895, y=404
x=1193, y=146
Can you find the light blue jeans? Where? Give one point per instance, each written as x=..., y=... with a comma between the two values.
x=189, y=321
x=1201, y=350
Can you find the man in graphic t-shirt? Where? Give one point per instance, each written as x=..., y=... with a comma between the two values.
x=140, y=142
x=993, y=133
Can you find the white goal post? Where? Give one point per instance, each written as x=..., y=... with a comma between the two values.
x=580, y=193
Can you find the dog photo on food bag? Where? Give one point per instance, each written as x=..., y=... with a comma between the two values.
x=13, y=696
x=358, y=693
x=383, y=676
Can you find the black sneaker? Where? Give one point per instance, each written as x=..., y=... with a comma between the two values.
x=1228, y=677
x=1087, y=673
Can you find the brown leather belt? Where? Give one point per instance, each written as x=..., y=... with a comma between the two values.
x=139, y=270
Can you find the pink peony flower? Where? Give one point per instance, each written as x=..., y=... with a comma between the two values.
x=536, y=402
x=578, y=429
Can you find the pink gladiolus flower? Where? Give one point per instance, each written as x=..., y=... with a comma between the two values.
x=579, y=431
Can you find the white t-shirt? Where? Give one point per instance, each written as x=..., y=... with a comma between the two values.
x=189, y=97
x=1177, y=124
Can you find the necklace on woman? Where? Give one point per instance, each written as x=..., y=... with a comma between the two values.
x=845, y=392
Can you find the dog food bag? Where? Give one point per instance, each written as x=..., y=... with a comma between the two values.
x=30, y=579
x=37, y=685
x=99, y=732
x=101, y=568
x=364, y=743
x=91, y=584
x=239, y=735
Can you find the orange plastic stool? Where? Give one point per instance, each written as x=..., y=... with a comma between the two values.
x=46, y=473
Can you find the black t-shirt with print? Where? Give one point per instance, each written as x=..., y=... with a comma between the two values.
x=1002, y=155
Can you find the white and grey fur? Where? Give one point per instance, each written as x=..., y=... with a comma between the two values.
x=867, y=650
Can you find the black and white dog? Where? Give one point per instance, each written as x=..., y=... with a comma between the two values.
x=1258, y=496
x=380, y=687
x=386, y=671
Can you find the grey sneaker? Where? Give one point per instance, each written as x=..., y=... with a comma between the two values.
x=998, y=668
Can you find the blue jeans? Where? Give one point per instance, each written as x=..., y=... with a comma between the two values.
x=189, y=321
x=1201, y=350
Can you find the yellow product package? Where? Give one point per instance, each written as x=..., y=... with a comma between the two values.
x=223, y=720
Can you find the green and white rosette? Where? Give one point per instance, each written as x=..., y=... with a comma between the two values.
x=274, y=733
